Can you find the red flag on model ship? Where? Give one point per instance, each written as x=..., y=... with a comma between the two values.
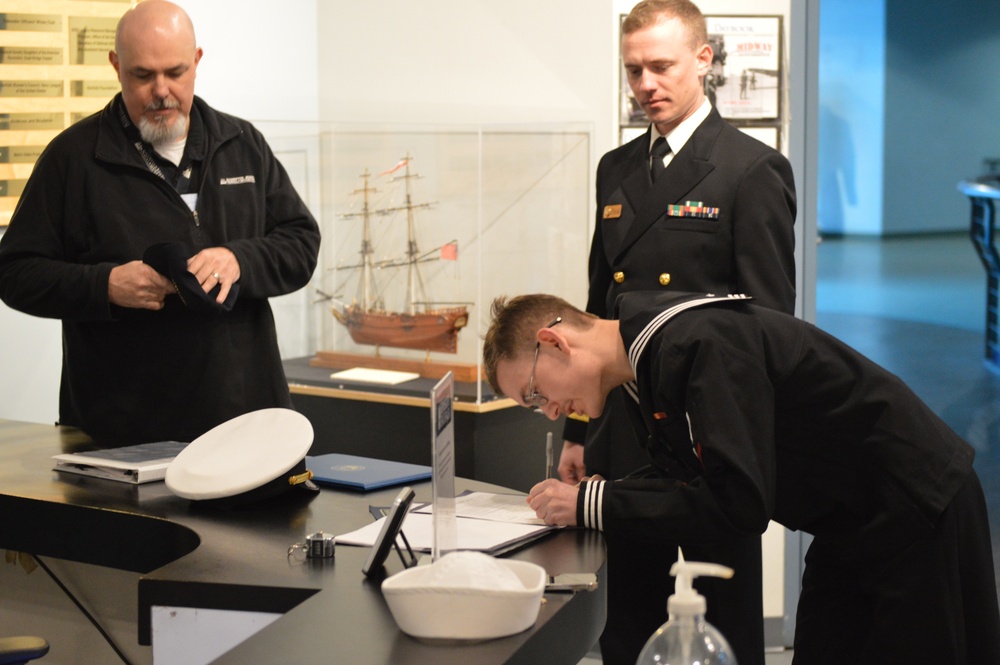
x=449, y=252
x=401, y=164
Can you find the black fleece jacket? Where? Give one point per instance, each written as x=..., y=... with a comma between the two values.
x=91, y=204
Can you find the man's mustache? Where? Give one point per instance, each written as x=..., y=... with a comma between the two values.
x=162, y=104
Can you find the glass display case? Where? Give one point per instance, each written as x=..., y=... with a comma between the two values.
x=422, y=228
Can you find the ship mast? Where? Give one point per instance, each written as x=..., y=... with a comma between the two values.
x=414, y=281
x=367, y=250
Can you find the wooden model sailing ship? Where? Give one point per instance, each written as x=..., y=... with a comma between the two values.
x=417, y=323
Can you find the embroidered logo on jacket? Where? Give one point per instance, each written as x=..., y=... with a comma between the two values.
x=238, y=180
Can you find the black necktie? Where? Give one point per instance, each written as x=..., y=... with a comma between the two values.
x=656, y=155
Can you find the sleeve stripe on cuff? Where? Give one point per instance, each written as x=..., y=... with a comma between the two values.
x=593, y=502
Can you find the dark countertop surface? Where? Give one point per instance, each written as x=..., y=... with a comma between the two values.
x=197, y=555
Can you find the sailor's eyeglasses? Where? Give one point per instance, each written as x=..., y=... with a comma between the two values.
x=534, y=399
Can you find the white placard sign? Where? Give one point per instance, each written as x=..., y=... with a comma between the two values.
x=443, y=466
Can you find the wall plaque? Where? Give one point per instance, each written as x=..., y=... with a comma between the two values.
x=26, y=55
x=31, y=88
x=20, y=154
x=31, y=22
x=31, y=121
x=90, y=39
x=102, y=89
x=12, y=187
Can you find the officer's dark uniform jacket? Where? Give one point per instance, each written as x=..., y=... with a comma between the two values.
x=742, y=241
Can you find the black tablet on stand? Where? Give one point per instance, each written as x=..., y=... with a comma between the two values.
x=387, y=537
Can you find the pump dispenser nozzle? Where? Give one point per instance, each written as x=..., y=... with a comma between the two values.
x=686, y=638
x=685, y=600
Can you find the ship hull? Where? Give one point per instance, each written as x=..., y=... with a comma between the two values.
x=435, y=330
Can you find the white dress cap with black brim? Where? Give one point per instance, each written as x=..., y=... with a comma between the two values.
x=245, y=459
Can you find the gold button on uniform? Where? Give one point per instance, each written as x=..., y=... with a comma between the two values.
x=664, y=279
x=619, y=277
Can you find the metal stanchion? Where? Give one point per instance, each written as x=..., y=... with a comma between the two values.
x=982, y=193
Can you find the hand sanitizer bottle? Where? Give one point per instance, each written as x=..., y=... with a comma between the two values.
x=686, y=638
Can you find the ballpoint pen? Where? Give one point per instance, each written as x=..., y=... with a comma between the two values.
x=548, y=455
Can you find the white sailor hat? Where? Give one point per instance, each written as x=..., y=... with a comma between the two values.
x=245, y=459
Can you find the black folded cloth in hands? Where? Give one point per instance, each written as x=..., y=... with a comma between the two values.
x=170, y=260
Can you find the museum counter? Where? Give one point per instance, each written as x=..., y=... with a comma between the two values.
x=190, y=555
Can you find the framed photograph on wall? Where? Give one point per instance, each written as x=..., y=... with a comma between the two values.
x=745, y=80
x=744, y=84
x=769, y=135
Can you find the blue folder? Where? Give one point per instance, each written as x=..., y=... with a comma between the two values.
x=363, y=473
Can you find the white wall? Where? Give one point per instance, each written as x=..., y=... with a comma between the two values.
x=472, y=62
x=480, y=61
x=30, y=358
x=260, y=57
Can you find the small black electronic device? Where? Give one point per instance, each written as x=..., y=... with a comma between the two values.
x=391, y=529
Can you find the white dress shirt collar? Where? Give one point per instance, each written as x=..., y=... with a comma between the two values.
x=680, y=134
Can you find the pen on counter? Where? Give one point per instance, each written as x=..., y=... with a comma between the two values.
x=548, y=455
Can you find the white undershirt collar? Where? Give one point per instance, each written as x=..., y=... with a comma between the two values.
x=171, y=151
